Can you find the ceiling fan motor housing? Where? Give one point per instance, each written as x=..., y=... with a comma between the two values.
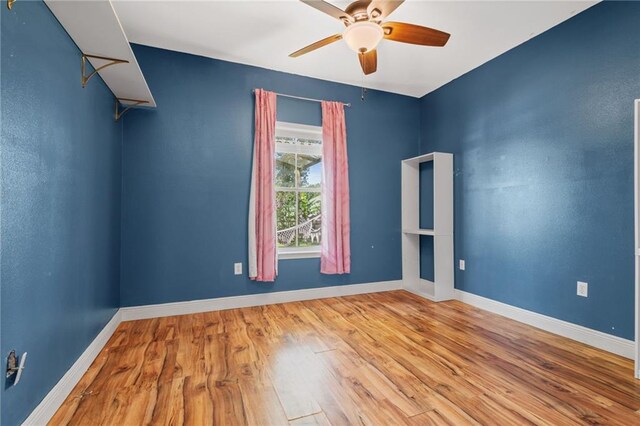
x=358, y=10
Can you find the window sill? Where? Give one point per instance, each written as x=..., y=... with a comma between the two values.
x=298, y=254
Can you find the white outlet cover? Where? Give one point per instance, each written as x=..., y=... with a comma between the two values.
x=237, y=268
x=23, y=360
x=582, y=289
x=461, y=264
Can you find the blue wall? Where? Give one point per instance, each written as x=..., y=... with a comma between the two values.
x=543, y=144
x=186, y=172
x=60, y=210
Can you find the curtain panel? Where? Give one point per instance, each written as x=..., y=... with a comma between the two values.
x=263, y=260
x=335, y=257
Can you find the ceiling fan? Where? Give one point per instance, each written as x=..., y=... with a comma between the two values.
x=365, y=29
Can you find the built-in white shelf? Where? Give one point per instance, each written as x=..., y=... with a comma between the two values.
x=419, y=231
x=419, y=159
x=96, y=30
x=443, y=286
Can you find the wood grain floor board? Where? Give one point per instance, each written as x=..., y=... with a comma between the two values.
x=531, y=357
x=388, y=358
x=319, y=419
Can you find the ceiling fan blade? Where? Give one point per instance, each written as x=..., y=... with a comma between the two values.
x=414, y=34
x=379, y=10
x=329, y=9
x=316, y=45
x=369, y=61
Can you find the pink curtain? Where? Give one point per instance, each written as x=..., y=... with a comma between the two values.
x=335, y=255
x=262, y=225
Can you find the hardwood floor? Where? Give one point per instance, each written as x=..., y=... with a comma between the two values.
x=386, y=359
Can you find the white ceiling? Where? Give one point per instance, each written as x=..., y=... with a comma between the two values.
x=263, y=33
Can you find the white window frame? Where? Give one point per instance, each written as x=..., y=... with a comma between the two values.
x=295, y=130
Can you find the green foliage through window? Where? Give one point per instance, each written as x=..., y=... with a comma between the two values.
x=298, y=181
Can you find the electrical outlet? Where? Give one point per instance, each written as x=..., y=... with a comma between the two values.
x=15, y=365
x=461, y=264
x=583, y=289
x=237, y=268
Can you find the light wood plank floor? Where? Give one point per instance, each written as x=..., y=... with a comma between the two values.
x=386, y=359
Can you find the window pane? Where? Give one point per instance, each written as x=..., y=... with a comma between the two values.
x=309, y=219
x=286, y=218
x=310, y=169
x=284, y=139
x=285, y=170
x=297, y=141
x=302, y=141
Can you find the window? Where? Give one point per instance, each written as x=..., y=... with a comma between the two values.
x=298, y=183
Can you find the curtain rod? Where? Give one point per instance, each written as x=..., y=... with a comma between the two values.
x=304, y=99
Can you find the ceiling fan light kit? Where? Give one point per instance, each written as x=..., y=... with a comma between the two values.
x=363, y=36
x=365, y=30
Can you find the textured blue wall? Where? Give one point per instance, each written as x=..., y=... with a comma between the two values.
x=60, y=192
x=186, y=172
x=543, y=144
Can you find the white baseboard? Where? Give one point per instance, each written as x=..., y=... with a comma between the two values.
x=598, y=339
x=221, y=303
x=54, y=399
x=425, y=289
